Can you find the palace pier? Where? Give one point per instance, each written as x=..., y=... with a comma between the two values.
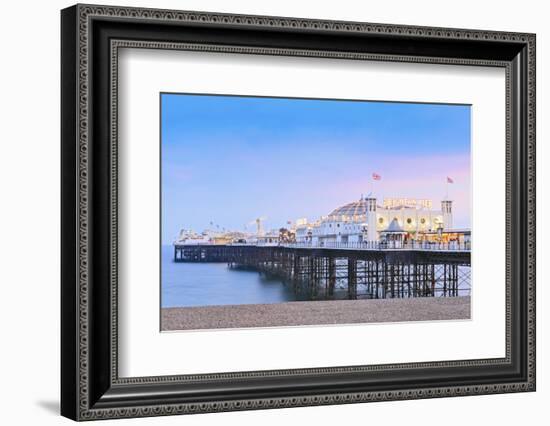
x=355, y=271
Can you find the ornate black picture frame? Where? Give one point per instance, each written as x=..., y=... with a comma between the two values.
x=91, y=387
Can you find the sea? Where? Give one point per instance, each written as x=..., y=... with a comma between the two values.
x=210, y=284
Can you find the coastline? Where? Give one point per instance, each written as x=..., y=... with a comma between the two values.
x=322, y=312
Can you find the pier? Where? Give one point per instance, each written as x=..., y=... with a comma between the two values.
x=369, y=271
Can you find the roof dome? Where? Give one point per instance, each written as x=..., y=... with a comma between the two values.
x=357, y=208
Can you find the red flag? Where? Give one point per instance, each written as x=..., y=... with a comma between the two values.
x=449, y=180
x=376, y=176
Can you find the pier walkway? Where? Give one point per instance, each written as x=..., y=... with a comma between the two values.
x=365, y=272
x=370, y=245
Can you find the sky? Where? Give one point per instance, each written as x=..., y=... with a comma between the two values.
x=231, y=159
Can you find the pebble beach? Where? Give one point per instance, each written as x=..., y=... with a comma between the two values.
x=316, y=313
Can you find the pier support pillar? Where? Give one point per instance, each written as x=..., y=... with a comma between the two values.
x=352, y=278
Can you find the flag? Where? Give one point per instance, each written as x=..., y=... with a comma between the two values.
x=376, y=176
x=449, y=180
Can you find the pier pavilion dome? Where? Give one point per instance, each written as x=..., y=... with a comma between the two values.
x=354, y=209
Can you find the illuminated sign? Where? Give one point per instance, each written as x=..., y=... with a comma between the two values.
x=392, y=203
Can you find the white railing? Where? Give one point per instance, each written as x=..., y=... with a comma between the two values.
x=365, y=245
x=383, y=245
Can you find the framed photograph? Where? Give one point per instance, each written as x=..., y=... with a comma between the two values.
x=263, y=212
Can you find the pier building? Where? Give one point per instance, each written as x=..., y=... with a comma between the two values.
x=396, y=219
x=395, y=223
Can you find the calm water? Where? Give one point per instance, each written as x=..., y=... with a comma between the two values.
x=202, y=284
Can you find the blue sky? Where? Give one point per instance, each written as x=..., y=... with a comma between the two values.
x=228, y=159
